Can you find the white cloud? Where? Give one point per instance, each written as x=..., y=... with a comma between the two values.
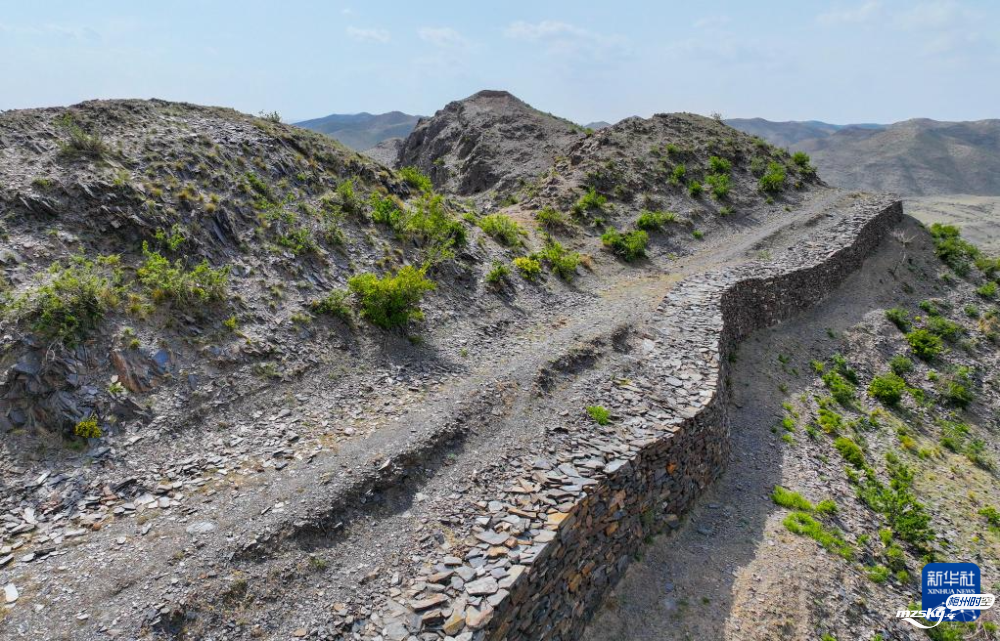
x=368, y=35
x=563, y=38
x=860, y=14
x=443, y=37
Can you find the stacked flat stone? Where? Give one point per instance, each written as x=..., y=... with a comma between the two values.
x=542, y=553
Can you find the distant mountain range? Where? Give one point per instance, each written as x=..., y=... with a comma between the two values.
x=918, y=157
x=364, y=130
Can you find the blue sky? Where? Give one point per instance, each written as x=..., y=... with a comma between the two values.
x=850, y=61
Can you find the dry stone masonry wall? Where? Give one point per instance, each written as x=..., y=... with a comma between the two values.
x=564, y=528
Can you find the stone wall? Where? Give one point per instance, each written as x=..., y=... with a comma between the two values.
x=665, y=470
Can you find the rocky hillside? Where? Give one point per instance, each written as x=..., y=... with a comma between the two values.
x=364, y=130
x=917, y=157
x=488, y=142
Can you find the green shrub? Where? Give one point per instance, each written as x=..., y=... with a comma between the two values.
x=803, y=524
x=348, y=199
x=826, y=507
x=719, y=184
x=695, y=189
x=529, y=268
x=791, y=500
x=628, y=246
x=900, y=365
x=950, y=248
x=677, y=175
x=801, y=159
x=907, y=516
x=957, y=394
x=386, y=212
x=552, y=219
x=946, y=329
x=924, y=344
x=88, y=428
x=828, y=420
x=391, y=301
x=333, y=304
x=430, y=224
x=840, y=388
x=841, y=366
x=992, y=517
x=888, y=388
x=74, y=299
x=589, y=202
x=562, y=261
x=654, y=220
x=758, y=166
x=850, y=451
x=80, y=143
x=971, y=311
x=502, y=228
x=497, y=274
x=899, y=317
x=171, y=281
x=878, y=573
x=719, y=165
x=600, y=415
x=773, y=179
x=415, y=178
x=987, y=290
x=173, y=239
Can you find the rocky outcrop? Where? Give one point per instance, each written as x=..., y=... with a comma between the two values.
x=488, y=141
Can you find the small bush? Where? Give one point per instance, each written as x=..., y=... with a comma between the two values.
x=803, y=524
x=773, y=179
x=81, y=144
x=695, y=189
x=74, y=300
x=719, y=165
x=497, y=274
x=828, y=420
x=987, y=290
x=719, y=184
x=992, y=517
x=878, y=573
x=552, y=219
x=88, y=428
x=826, y=507
x=887, y=388
x=628, y=246
x=600, y=415
x=391, y=301
x=791, y=500
x=899, y=317
x=850, y=451
x=946, y=329
x=333, y=304
x=840, y=388
x=900, y=365
x=171, y=281
x=800, y=159
x=924, y=344
x=529, y=268
x=950, y=248
x=654, y=220
x=502, y=228
x=956, y=394
x=386, y=212
x=677, y=175
x=415, y=178
x=589, y=202
x=562, y=261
